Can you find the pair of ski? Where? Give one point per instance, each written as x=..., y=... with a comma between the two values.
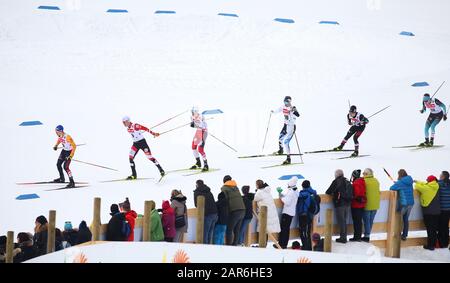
x=342, y=150
x=418, y=147
x=77, y=185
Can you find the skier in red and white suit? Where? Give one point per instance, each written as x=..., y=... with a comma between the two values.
x=139, y=143
x=198, y=143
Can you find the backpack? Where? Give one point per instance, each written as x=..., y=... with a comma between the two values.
x=347, y=194
x=314, y=206
x=126, y=229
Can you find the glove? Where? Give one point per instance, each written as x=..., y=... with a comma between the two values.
x=156, y=135
x=421, y=111
x=294, y=109
x=279, y=190
x=68, y=157
x=445, y=117
x=55, y=147
x=192, y=124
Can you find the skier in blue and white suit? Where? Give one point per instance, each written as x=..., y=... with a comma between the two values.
x=437, y=112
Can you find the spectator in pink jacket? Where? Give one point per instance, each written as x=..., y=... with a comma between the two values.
x=168, y=221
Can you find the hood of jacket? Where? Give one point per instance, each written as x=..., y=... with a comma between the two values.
x=202, y=189
x=131, y=213
x=231, y=183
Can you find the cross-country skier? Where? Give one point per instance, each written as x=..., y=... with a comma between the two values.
x=66, y=155
x=290, y=114
x=437, y=112
x=139, y=143
x=198, y=142
x=358, y=122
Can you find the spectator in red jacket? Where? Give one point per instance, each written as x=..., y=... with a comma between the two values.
x=358, y=203
x=168, y=221
x=130, y=216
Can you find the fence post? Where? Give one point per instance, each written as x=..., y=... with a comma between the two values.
x=96, y=222
x=148, y=207
x=328, y=230
x=51, y=231
x=393, y=228
x=9, y=247
x=262, y=227
x=200, y=219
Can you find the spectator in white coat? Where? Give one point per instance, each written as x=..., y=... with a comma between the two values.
x=263, y=197
x=289, y=197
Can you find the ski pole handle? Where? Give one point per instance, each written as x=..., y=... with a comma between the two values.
x=389, y=175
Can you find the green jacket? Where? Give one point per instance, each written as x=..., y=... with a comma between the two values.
x=427, y=192
x=156, y=229
x=233, y=196
x=372, y=193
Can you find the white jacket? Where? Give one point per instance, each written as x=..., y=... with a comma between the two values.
x=263, y=197
x=289, y=198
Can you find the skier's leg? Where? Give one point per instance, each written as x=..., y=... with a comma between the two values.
x=133, y=151
x=69, y=173
x=150, y=157
x=349, y=134
x=197, y=164
x=286, y=142
x=356, y=136
x=281, y=139
x=433, y=125
x=201, y=150
x=60, y=170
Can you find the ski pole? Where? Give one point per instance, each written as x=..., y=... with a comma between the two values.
x=181, y=126
x=267, y=130
x=379, y=111
x=348, y=100
x=165, y=121
x=92, y=164
x=389, y=175
x=59, y=147
x=438, y=89
x=222, y=142
x=299, y=151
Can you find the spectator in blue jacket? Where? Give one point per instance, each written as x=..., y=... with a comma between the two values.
x=404, y=186
x=444, y=194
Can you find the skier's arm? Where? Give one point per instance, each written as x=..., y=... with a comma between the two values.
x=423, y=107
x=55, y=147
x=139, y=127
x=278, y=110
x=444, y=108
x=74, y=146
x=364, y=119
x=348, y=119
x=295, y=112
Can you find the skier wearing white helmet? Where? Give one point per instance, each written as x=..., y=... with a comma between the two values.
x=139, y=143
x=198, y=142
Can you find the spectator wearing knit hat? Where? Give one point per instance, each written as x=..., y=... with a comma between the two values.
x=431, y=209
x=114, y=230
x=305, y=217
x=288, y=197
x=317, y=242
x=130, y=216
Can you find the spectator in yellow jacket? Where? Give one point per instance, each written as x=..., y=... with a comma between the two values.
x=372, y=204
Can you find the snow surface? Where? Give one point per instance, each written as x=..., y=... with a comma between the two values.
x=85, y=68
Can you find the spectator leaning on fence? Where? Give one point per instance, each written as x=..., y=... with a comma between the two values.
x=25, y=250
x=288, y=197
x=306, y=201
x=373, y=202
x=236, y=209
x=84, y=234
x=130, y=216
x=178, y=203
x=168, y=221
x=404, y=187
x=263, y=197
x=156, y=228
x=444, y=195
x=341, y=190
x=210, y=210
x=358, y=203
x=431, y=208
x=221, y=224
x=40, y=235
x=70, y=235
x=115, y=228
x=247, y=197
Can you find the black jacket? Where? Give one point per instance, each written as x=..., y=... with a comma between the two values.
x=114, y=229
x=40, y=243
x=434, y=208
x=84, y=234
x=319, y=246
x=26, y=253
x=222, y=208
x=248, y=202
x=71, y=236
x=337, y=188
x=210, y=205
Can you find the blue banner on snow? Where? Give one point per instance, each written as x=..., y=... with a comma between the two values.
x=164, y=12
x=228, y=15
x=420, y=84
x=30, y=123
x=27, y=196
x=117, y=11
x=281, y=20
x=214, y=111
x=288, y=177
x=49, y=8
x=329, y=22
x=407, y=33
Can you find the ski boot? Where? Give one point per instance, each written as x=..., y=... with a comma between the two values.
x=338, y=148
x=71, y=183
x=425, y=143
x=431, y=142
x=197, y=165
x=287, y=161
x=355, y=154
x=205, y=166
x=280, y=150
x=161, y=171
x=132, y=177
x=59, y=180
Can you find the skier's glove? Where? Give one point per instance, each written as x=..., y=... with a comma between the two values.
x=192, y=124
x=55, y=147
x=68, y=158
x=279, y=190
x=156, y=135
x=445, y=117
x=421, y=111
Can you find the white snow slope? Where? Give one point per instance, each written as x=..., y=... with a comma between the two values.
x=85, y=68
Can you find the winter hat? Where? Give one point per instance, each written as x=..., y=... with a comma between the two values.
x=296, y=245
x=431, y=178
x=126, y=205
x=306, y=184
x=165, y=205
x=316, y=237
x=41, y=220
x=426, y=97
x=3, y=240
x=245, y=189
x=68, y=226
x=125, y=118
x=356, y=173
x=23, y=237
x=293, y=182
x=227, y=178
x=352, y=109
x=114, y=209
